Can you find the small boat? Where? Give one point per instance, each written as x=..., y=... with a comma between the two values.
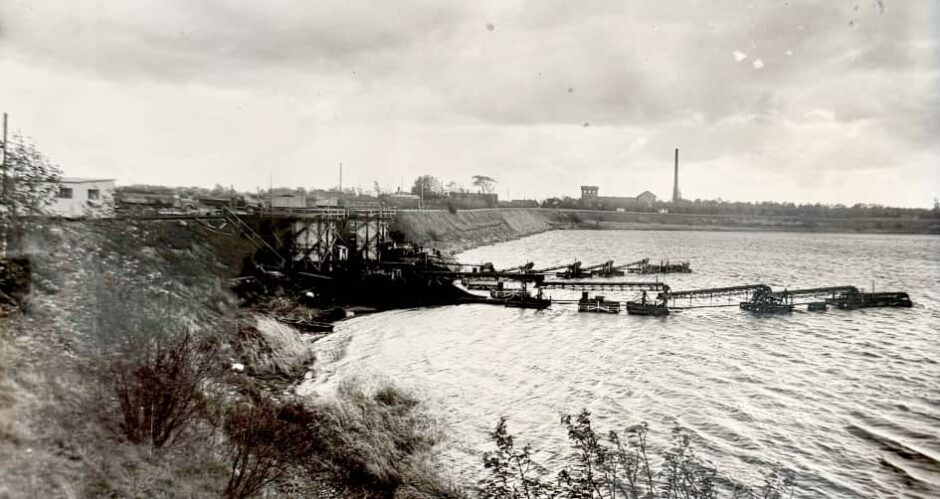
x=525, y=300
x=893, y=299
x=852, y=301
x=640, y=308
x=597, y=305
x=817, y=306
x=647, y=307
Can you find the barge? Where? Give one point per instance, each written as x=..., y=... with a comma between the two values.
x=661, y=268
x=851, y=301
x=502, y=293
x=597, y=305
x=525, y=300
x=647, y=307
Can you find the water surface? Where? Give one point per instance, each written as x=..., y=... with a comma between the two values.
x=849, y=401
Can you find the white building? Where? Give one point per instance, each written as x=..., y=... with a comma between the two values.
x=80, y=197
x=289, y=201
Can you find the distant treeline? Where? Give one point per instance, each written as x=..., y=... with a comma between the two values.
x=766, y=208
x=436, y=199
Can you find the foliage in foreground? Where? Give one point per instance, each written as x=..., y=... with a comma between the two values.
x=611, y=467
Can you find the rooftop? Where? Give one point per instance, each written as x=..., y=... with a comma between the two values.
x=81, y=180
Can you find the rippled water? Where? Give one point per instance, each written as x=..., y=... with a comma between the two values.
x=849, y=401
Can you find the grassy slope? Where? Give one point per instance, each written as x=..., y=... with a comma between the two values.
x=97, y=288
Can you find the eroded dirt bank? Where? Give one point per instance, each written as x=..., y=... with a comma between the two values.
x=455, y=232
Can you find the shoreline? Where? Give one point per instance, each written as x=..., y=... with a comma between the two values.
x=454, y=233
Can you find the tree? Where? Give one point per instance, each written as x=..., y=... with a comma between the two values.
x=29, y=185
x=484, y=184
x=427, y=184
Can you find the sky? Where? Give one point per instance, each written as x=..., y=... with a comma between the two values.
x=826, y=101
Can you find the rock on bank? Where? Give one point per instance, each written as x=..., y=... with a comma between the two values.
x=455, y=232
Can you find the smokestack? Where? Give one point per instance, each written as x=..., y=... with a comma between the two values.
x=675, y=184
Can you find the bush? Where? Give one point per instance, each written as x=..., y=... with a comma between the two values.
x=159, y=388
x=15, y=280
x=358, y=445
x=266, y=442
x=611, y=467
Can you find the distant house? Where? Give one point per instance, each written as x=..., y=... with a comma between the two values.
x=403, y=200
x=83, y=197
x=590, y=199
x=646, y=198
x=325, y=198
x=473, y=200
x=289, y=201
x=589, y=191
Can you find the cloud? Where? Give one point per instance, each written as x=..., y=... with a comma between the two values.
x=217, y=91
x=180, y=40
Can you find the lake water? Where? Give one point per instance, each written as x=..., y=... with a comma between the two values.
x=848, y=401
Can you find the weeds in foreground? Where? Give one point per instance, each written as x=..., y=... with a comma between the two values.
x=265, y=441
x=273, y=350
x=612, y=467
x=160, y=390
x=378, y=444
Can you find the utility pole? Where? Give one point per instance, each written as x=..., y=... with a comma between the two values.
x=340, y=183
x=3, y=189
x=675, y=184
x=3, y=196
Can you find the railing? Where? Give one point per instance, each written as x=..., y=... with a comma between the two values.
x=329, y=212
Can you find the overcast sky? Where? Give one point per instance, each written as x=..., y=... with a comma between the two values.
x=829, y=100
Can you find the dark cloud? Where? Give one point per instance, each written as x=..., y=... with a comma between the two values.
x=178, y=39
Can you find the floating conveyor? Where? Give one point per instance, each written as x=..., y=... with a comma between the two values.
x=572, y=270
x=557, y=267
x=509, y=276
x=832, y=291
x=526, y=267
x=633, y=264
x=601, y=285
x=604, y=269
x=746, y=289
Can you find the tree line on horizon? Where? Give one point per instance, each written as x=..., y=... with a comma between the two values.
x=35, y=173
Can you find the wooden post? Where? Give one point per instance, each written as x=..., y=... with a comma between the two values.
x=3, y=191
x=4, y=164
